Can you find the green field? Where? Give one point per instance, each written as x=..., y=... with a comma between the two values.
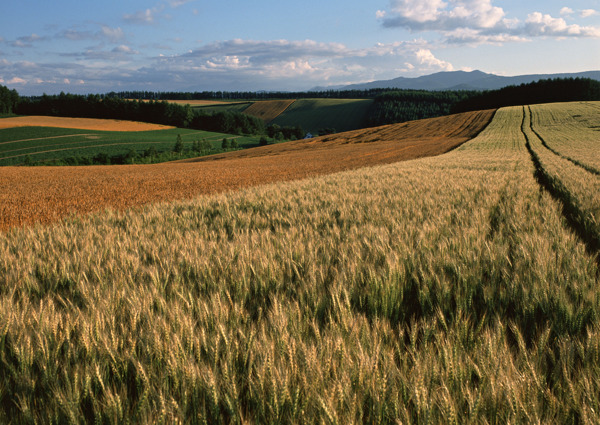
x=47, y=145
x=313, y=115
x=316, y=114
x=462, y=288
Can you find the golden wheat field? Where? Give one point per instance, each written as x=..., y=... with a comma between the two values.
x=454, y=289
x=46, y=194
x=79, y=123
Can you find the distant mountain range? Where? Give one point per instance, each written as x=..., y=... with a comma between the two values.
x=458, y=80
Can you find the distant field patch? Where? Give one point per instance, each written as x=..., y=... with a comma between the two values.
x=315, y=114
x=268, y=110
x=79, y=123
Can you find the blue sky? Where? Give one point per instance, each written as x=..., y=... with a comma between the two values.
x=188, y=45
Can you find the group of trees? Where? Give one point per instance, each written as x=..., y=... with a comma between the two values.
x=406, y=105
x=277, y=132
x=8, y=100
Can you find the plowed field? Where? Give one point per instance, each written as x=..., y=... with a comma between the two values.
x=79, y=123
x=46, y=194
x=268, y=110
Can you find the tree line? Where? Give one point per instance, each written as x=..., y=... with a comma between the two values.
x=8, y=100
x=542, y=91
x=249, y=95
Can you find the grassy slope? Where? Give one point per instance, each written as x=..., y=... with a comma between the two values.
x=315, y=114
x=440, y=290
x=16, y=143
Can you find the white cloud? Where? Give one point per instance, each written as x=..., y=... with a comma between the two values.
x=124, y=49
x=438, y=15
x=418, y=10
x=30, y=38
x=113, y=34
x=75, y=35
x=475, y=37
x=177, y=3
x=27, y=41
x=151, y=15
x=426, y=58
x=17, y=80
x=141, y=17
x=588, y=12
x=566, y=11
x=539, y=24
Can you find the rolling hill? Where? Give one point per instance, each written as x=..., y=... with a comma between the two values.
x=32, y=194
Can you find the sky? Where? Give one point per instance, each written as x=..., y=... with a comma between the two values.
x=82, y=46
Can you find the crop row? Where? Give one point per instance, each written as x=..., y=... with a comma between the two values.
x=572, y=131
x=576, y=187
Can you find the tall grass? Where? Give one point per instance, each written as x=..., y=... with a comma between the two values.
x=443, y=290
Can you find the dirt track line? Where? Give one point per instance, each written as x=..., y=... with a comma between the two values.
x=214, y=138
x=586, y=167
x=576, y=219
x=39, y=147
x=44, y=138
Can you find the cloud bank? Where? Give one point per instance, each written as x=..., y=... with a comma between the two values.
x=479, y=21
x=227, y=65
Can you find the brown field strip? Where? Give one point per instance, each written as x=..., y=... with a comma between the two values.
x=268, y=110
x=79, y=123
x=46, y=194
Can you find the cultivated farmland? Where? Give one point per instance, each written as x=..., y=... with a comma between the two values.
x=448, y=289
x=268, y=110
x=30, y=194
